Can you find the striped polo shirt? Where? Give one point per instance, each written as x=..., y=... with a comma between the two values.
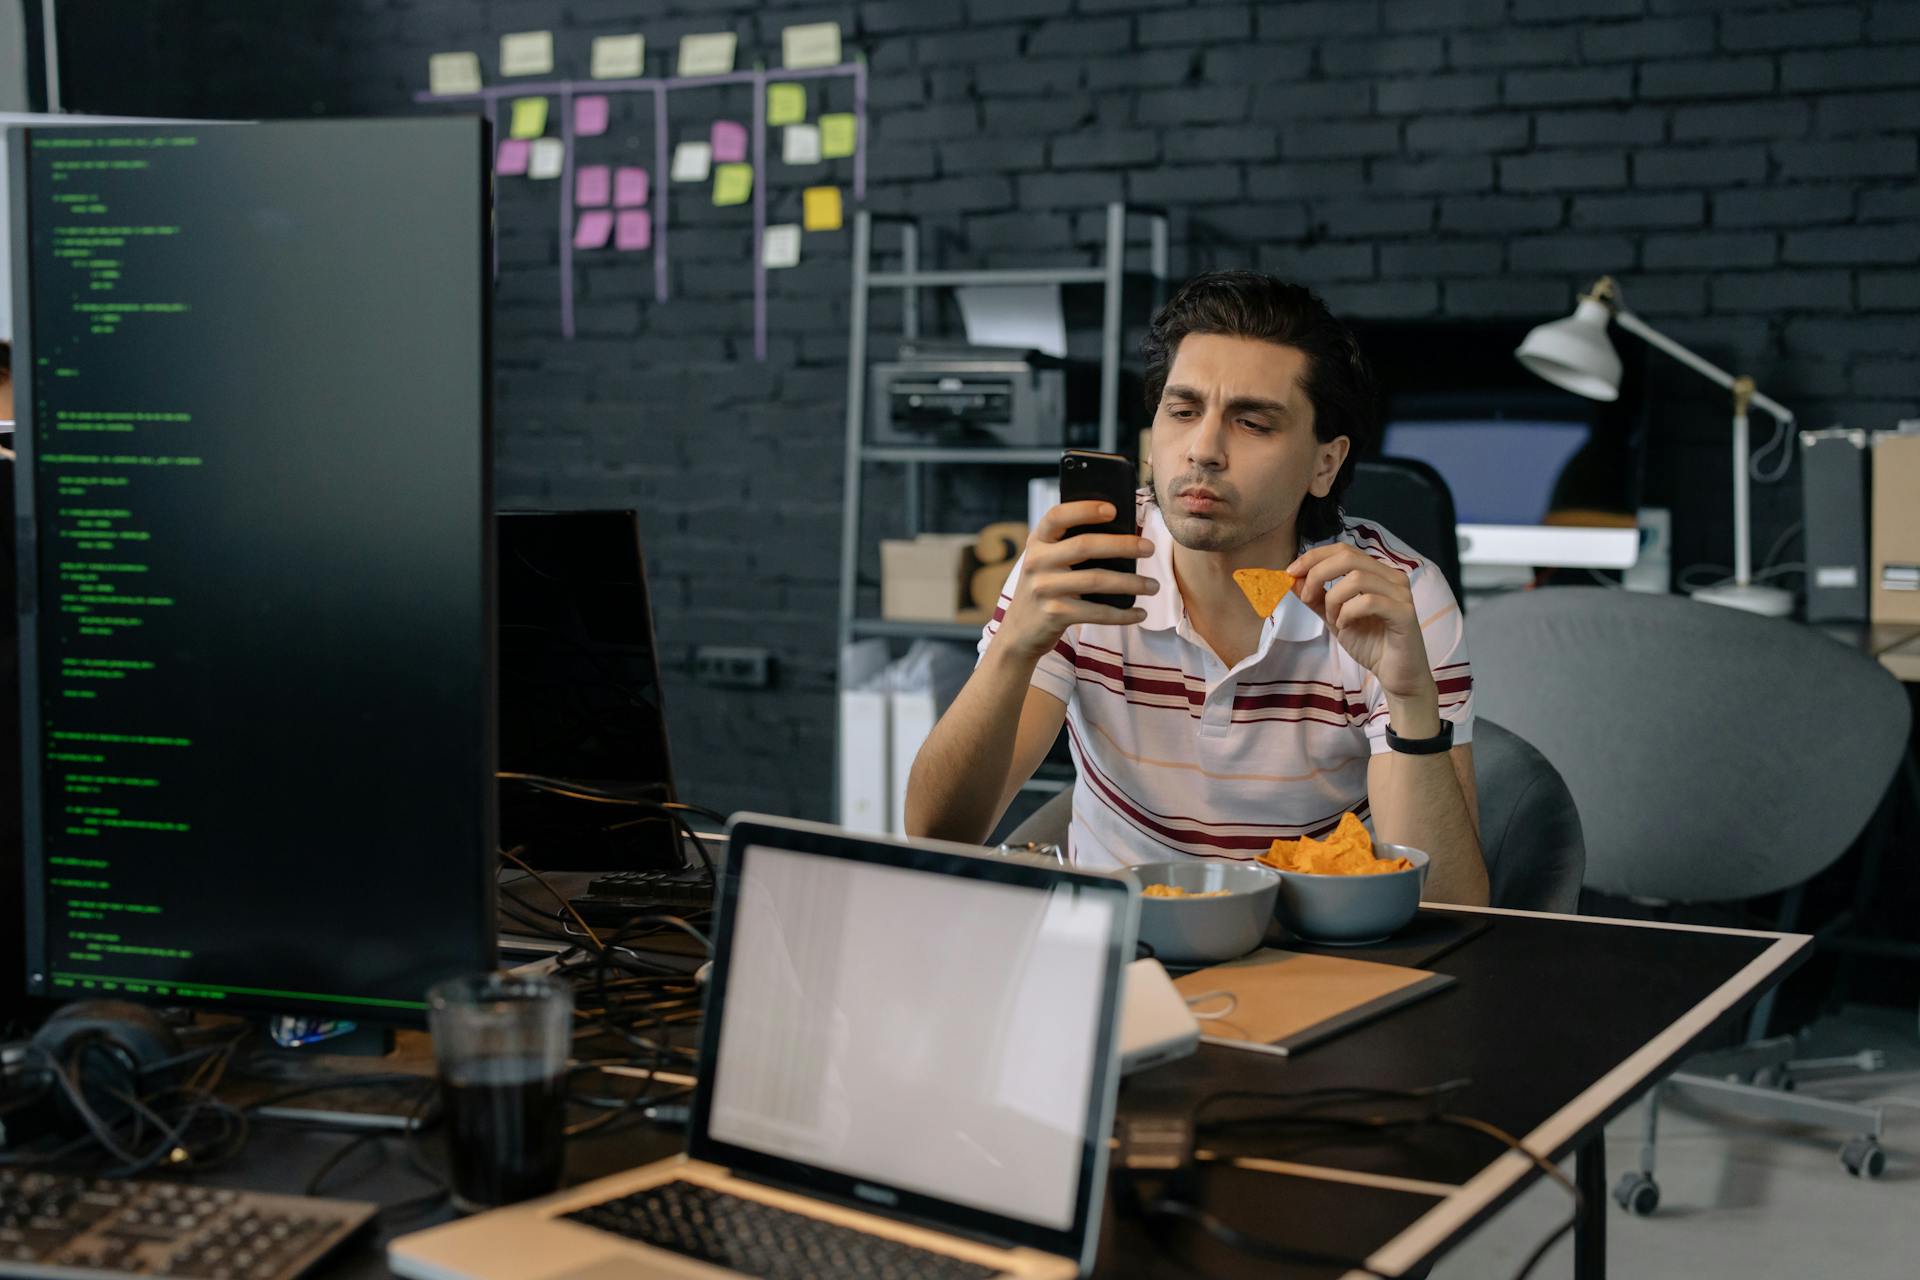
x=1180, y=756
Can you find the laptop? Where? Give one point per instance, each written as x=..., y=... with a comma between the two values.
x=909, y=1068
x=580, y=696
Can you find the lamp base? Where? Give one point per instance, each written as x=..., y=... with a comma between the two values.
x=1770, y=602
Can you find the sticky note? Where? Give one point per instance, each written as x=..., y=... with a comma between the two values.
x=837, y=134
x=800, y=144
x=786, y=103
x=618, y=57
x=707, y=55
x=526, y=53
x=692, y=161
x=529, y=118
x=815, y=44
x=634, y=229
x=512, y=160
x=732, y=183
x=594, y=228
x=590, y=116
x=729, y=141
x=592, y=184
x=547, y=157
x=820, y=208
x=629, y=187
x=780, y=247
x=453, y=73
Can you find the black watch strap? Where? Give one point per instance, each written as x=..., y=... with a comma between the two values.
x=1438, y=743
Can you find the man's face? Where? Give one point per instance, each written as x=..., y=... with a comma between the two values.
x=1234, y=453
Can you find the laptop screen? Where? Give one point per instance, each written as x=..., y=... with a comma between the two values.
x=935, y=1034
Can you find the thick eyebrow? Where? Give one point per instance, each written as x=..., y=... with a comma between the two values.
x=1239, y=404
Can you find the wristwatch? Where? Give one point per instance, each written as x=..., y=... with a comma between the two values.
x=1437, y=744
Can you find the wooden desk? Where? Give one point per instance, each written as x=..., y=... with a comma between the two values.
x=1560, y=1022
x=1895, y=645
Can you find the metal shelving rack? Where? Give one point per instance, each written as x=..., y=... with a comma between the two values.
x=1110, y=275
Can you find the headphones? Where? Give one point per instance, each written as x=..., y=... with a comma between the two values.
x=102, y=1049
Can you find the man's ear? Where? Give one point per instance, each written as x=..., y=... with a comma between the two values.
x=1326, y=464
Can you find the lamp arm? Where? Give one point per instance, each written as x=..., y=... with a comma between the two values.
x=1635, y=325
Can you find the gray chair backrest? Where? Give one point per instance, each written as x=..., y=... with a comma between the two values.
x=1714, y=755
x=1529, y=827
x=1530, y=833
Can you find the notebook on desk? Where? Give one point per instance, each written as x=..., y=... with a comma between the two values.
x=908, y=1068
x=1282, y=1002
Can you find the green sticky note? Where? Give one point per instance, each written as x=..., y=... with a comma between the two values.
x=786, y=103
x=836, y=135
x=529, y=118
x=732, y=183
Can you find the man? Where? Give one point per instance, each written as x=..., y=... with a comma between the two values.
x=1198, y=729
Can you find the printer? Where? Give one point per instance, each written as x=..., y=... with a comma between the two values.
x=955, y=394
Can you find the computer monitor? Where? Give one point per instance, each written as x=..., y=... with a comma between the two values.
x=580, y=697
x=1539, y=476
x=256, y=616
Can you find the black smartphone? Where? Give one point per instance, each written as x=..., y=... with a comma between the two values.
x=1087, y=476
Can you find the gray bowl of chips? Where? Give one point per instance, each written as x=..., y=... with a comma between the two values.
x=1352, y=910
x=1223, y=915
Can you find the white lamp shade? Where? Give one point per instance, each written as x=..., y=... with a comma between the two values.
x=1575, y=353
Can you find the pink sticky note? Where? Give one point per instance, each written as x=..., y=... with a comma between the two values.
x=590, y=116
x=595, y=225
x=729, y=140
x=513, y=157
x=591, y=184
x=629, y=187
x=634, y=231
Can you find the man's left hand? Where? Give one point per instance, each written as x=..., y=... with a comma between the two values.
x=1369, y=608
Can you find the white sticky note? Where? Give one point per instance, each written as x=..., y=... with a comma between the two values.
x=526, y=53
x=780, y=247
x=618, y=57
x=453, y=73
x=707, y=55
x=548, y=157
x=815, y=44
x=692, y=161
x=800, y=144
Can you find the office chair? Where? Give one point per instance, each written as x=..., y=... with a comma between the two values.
x=1413, y=502
x=1715, y=756
x=1529, y=828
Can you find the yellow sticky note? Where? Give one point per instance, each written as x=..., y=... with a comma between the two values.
x=837, y=133
x=820, y=208
x=786, y=103
x=732, y=183
x=529, y=118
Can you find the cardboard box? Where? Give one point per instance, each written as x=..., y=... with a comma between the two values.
x=925, y=580
x=1896, y=525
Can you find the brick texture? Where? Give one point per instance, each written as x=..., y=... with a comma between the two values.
x=1747, y=170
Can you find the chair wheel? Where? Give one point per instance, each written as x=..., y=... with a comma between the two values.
x=1638, y=1194
x=1864, y=1157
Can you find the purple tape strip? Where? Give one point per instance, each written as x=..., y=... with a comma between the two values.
x=566, y=213
x=759, y=216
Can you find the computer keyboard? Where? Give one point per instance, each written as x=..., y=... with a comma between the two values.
x=758, y=1239
x=618, y=896
x=59, y=1226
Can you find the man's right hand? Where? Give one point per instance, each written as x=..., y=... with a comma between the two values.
x=1048, y=597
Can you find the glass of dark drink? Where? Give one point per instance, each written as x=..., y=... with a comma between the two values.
x=501, y=1044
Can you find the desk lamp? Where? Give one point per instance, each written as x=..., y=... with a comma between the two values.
x=1575, y=353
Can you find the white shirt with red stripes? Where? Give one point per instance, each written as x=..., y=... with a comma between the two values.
x=1180, y=756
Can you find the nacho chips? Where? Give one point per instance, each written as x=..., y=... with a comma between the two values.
x=1264, y=588
x=1347, y=852
x=1175, y=891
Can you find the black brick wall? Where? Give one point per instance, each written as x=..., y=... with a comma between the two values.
x=1746, y=170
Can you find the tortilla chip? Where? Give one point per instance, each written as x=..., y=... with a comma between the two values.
x=1348, y=851
x=1175, y=891
x=1264, y=588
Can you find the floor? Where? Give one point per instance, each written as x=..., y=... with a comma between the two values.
x=1744, y=1199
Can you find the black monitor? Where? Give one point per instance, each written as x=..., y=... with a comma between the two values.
x=255, y=546
x=580, y=695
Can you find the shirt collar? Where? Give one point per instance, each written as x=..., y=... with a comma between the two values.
x=1291, y=621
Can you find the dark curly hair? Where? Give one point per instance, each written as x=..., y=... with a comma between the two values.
x=1339, y=382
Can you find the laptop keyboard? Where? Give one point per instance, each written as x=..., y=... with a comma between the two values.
x=758, y=1239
